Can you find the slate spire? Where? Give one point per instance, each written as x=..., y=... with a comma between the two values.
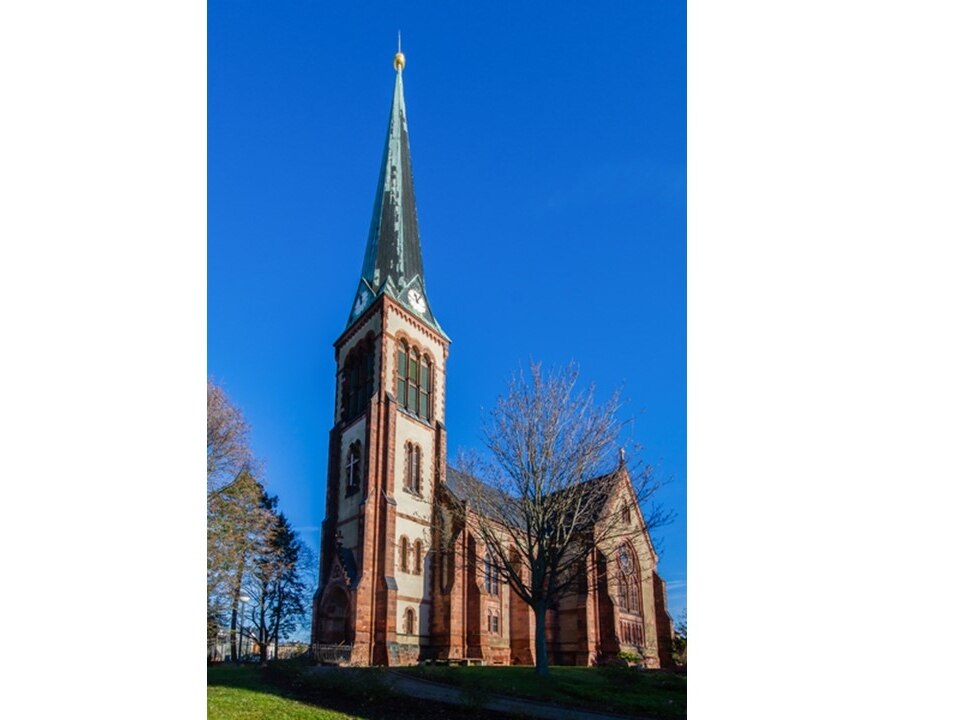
x=393, y=263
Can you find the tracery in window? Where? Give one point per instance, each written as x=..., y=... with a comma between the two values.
x=357, y=379
x=413, y=468
x=353, y=468
x=414, y=383
x=628, y=580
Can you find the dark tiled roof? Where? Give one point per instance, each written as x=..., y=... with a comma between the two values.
x=464, y=486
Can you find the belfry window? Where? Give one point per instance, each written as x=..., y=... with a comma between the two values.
x=357, y=379
x=353, y=468
x=413, y=469
x=414, y=384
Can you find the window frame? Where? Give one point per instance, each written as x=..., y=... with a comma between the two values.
x=359, y=369
x=414, y=394
x=413, y=468
x=417, y=557
x=404, y=548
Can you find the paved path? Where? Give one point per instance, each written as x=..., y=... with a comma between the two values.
x=429, y=690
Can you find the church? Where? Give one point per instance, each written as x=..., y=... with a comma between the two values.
x=391, y=592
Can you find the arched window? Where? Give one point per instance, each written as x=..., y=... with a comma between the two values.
x=409, y=621
x=404, y=554
x=353, y=468
x=628, y=580
x=492, y=622
x=414, y=384
x=417, y=557
x=490, y=575
x=625, y=514
x=413, y=469
x=357, y=379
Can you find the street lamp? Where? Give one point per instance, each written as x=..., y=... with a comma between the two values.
x=244, y=599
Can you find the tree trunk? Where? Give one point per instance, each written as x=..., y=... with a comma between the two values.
x=276, y=626
x=539, y=612
x=233, y=650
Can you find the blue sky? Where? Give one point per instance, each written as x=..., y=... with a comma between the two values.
x=549, y=154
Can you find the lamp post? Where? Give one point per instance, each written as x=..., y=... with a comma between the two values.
x=244, y=599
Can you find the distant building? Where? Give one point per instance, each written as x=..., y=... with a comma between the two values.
x=388, y=594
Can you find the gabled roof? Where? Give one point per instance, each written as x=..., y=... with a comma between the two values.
x=464, y=486
x=393, y=263
x=348, y=562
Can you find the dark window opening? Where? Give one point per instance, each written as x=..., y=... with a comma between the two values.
x=357, y=380
x=353, y=468
x=414, y=375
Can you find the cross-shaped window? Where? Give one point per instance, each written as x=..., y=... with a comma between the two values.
x=353, y=468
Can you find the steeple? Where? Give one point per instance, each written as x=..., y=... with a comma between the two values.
x=393, y=264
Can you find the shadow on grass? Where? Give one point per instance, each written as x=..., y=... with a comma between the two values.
x=625, y=691
x=361, y=692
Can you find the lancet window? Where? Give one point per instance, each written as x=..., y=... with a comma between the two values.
x=409, y=621
x=357, y=379
x=414, y=384
x=413, y=468
x=404, y=554
x=417, y=557
x=628, y=580
x=490, y=575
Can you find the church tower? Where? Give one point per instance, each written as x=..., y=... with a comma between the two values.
x=387, y=452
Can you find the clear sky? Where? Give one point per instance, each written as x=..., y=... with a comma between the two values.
x=549, y=156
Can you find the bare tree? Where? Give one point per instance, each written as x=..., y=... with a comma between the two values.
x=227, y=440
x=543, y=505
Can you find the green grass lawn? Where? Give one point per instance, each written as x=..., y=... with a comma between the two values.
x=617, y=690
x=292, y=690
x=240, y=693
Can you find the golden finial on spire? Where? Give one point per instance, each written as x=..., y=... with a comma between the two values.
x=399, y=60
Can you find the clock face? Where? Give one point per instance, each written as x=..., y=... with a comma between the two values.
x=361, y=300
x=416, y=300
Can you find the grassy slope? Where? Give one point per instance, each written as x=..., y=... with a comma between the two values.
x=241, y=694
x=252, y=693
x=617, y=690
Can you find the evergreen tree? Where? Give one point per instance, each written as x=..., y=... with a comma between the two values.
x=276, y=586
x=238, y=527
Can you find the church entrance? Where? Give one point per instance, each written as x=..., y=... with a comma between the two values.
x=334, y=617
